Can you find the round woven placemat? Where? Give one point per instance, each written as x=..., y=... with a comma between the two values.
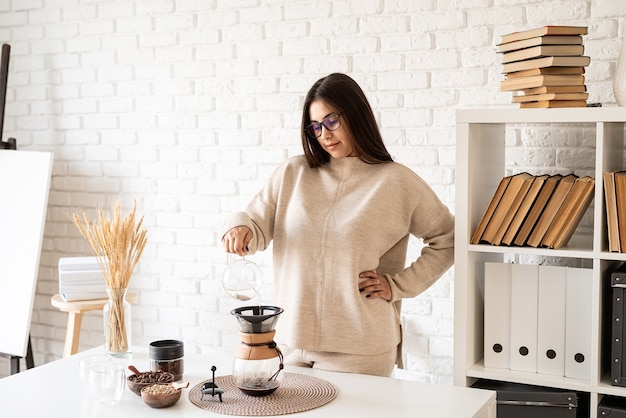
x=296, y=393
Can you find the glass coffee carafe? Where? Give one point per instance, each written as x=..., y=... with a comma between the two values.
x=241, y=279
x=258, y=360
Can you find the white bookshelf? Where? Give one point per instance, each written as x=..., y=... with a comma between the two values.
x=481, y=155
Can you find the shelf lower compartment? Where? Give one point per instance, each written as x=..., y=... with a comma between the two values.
x=478, y=370
x=606, y=388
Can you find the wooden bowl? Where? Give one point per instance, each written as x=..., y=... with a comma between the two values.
x=137, y=382
x=160, y=395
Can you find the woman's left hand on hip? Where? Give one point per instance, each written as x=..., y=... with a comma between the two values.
x=375, y=285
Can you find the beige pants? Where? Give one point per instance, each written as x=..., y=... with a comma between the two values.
x=375, y=364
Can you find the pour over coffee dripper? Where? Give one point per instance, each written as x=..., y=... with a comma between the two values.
x=258, y=360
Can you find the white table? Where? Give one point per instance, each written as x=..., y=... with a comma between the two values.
x=54, y=390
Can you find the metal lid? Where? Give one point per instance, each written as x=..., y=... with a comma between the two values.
x=166, y=349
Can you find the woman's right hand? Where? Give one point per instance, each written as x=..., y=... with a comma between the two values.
x=236, y=240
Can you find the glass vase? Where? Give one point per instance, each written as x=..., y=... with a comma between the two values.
x=619, y=78
x=117, y=324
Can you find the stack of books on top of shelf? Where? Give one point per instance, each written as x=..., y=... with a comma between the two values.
x=615, y=203
x=535, y=211
x=546, y=65
x=81, y=278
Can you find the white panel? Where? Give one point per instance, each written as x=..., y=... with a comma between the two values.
x=24, y=185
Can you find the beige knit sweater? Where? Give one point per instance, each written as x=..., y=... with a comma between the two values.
x=329, y=224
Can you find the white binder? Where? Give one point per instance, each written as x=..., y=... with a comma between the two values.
x=578, y=323
x=551, y=320
x=524, y=303
x=497, y=315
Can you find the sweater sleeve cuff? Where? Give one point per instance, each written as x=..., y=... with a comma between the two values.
x=394, y=288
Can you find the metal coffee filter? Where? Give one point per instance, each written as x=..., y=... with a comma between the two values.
x=257, y=319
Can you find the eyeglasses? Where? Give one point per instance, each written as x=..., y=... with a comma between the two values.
x=330, y=122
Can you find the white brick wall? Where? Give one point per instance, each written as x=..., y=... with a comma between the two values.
x=188, y=105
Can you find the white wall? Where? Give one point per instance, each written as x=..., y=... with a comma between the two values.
x=188, y=105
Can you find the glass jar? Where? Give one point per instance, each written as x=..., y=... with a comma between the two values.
x=167, y=356
x=116, y=315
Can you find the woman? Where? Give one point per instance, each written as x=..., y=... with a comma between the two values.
x=340, y=217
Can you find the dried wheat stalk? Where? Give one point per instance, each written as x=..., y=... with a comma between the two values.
x=118, y=245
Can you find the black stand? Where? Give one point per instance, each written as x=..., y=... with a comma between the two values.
x=9, y=144
x=4, y=76
x=211, y=388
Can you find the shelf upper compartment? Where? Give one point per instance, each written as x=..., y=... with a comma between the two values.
x=578, y=247
x=568, y=115
x=565, y=252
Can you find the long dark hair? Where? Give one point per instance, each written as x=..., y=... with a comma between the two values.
x=344, y=94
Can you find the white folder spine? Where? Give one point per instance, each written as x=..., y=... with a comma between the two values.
x=524, y=300
x=551, y=321
x=497, y=315
x=578, y=323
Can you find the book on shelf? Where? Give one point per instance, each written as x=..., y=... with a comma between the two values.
x=541, y=80
x=551, y=209
x=75, y=296
x=76, y=277
x=549, y=97
x=503, y=208
x=570, y=213
x=502, y=185
x=524, y=209
x=543, y=51
x=553, y=104
x=83, y=290
x=537, y=208
x=543, y=62
x=580, y=207
x=620, y=196
x=79, y=263
x=527, y=181
x=543, y=31
x=610, y=202
x=578, y=88
x=540, y=40
x=81, y=278
x=546, y=70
